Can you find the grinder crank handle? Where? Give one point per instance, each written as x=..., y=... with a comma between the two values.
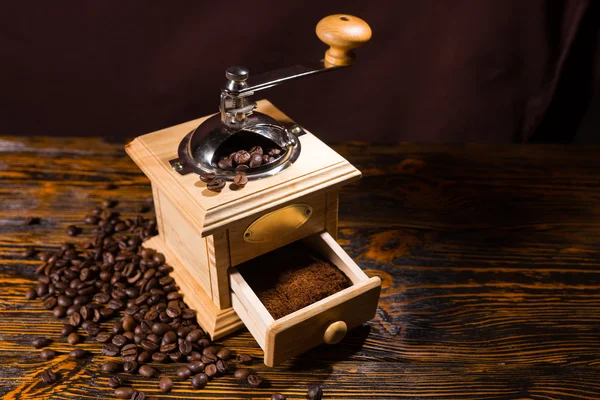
x=342, y=32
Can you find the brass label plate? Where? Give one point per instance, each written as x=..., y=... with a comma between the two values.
x=278, y=223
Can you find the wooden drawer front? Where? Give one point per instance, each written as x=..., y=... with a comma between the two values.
x=242, y=250
x=304, y=329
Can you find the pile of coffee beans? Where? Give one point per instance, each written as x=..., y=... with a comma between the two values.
x=114, y=278
x=242, y=160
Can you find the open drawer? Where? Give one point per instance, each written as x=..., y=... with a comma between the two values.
x=325, y=321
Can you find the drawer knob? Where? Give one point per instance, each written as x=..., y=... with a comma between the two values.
x=335, y=332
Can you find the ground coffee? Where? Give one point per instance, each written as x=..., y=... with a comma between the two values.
x=292, y=277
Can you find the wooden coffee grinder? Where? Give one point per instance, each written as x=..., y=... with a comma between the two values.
x=291, y=196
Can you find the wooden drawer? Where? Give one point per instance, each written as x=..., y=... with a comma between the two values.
x=320, y=322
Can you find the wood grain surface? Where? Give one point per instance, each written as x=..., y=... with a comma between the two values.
x=489, y=258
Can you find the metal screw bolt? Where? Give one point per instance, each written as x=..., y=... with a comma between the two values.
x=177, y=166
x=296, y=129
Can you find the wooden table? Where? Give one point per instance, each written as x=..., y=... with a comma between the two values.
x=489, y=256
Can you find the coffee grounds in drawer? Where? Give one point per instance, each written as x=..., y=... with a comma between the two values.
x=291, y=278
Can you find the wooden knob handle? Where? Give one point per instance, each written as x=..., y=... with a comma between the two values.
x=335, y=332
x=342, y=32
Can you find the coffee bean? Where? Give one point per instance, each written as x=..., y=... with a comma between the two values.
x=40, y=342
x=194, y=335
x=59, y=312
x=31, y=221
x=28, y=252
x=225, y=164
x=77, y=353
x=110, y=366
x=216, y=186
x=30, y=294
x=196, y=366
x=256, y=150
x=185, y=347
x=72, y=230
x=109, y=349
x=47, y=354
x=91, y=219
x=115, y=381
x=165, y=384
x=144, y=357
x=211, y=370
x=48, y=377
x=183, y=373
x=221, y=367
x=67, y=329
x=256, y=160
x=241, y=157
x=199, y=381
x=104, y=337
x=75, y=319
x=210, y=351
x=149, y=346
x=124, y=392
x=130, y=366
x=173, y=311
x=169, y=337
x=240, y=179
x=209, y=359
x=274, y=152
x=241, y=374
x=119, y=340
x=265, y=158
x=64, y=301
x=159, y=357
x=254, y=380
x=129, y=323
x=208, y=177
x=147, y=371
x=224, y=354
x=92, y=329
x=278, y=396
x=168, y=348
x=160, y=329
x=73, y=338
x=49, y=303
x=314, y=392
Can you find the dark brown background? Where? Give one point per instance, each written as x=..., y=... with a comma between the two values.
x=461, y=70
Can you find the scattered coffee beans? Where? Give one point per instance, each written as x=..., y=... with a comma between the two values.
x=208, y=177
x=40, y=342
x=244, y=359
x=110, y=366
x=73, y=338
x=115, y=382
x=254, y=380
x=184, y=373
x=48, y=377
x=29, y=252
x=199, y=381
x=277, y=396
x=314, y=392
x=216, y=185
x=47, y=354
x=241, y=374
x=31, y=221
x=166, y=384
x=124, y=392
x=146, y=371
x=240, y=179
x=77, y=353
x=30, y=294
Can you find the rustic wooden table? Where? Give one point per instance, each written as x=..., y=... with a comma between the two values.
x=489, y=256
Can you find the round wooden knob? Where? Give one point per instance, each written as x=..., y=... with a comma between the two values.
x=335, y=332
x=342, y=32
